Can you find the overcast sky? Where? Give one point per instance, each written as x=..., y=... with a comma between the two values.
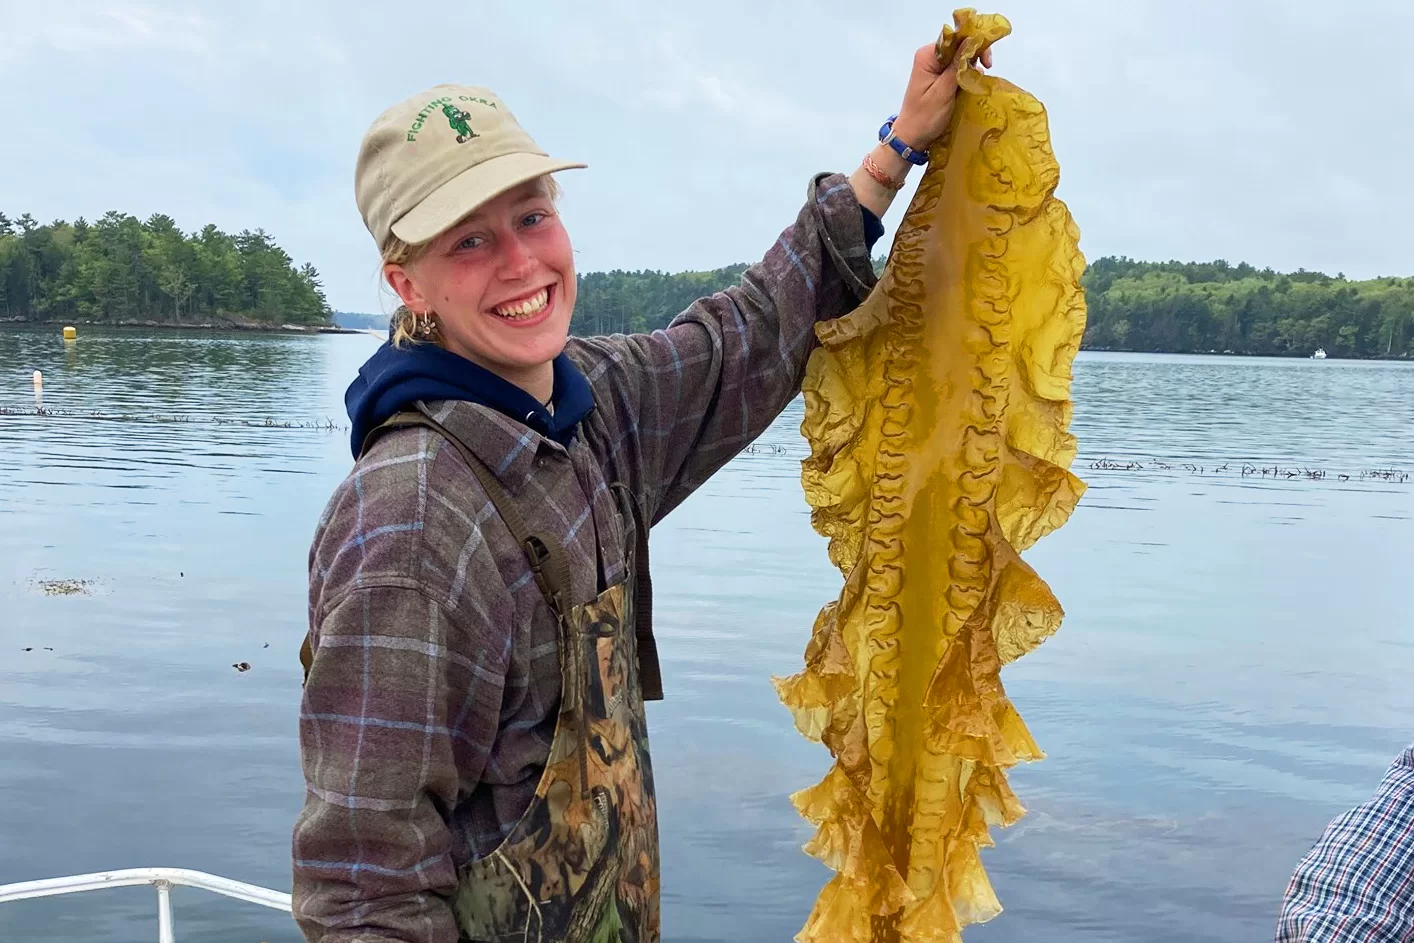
x=1280, y=133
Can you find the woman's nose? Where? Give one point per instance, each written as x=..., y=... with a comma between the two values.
x=517, y=261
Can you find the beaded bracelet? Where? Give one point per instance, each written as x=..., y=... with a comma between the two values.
x=880, y=177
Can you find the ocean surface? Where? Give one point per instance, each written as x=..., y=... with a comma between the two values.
x=1234, y=668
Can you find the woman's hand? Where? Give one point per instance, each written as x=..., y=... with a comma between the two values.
x=927, y=107
x=928, y=100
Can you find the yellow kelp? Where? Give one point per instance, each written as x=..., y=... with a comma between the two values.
x=937, y=417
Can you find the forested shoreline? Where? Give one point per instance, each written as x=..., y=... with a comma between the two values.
x=1202, y=307
x=122, y=270
x=1151, y=307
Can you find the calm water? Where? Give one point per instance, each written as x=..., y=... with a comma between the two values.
x=1233, y=671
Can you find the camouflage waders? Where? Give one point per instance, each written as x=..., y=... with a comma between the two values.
x=581, y=866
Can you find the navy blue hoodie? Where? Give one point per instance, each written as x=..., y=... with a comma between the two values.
x=395, y=378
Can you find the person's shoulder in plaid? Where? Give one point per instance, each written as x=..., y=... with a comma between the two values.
x=1356, y=885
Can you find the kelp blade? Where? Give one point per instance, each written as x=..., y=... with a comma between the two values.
x=937, y=415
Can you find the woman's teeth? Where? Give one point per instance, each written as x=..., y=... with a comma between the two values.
x=524, y=309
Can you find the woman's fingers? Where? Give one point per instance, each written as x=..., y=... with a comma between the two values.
x=927, y=59
x=987, y=58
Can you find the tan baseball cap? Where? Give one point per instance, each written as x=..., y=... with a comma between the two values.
x=430, y=160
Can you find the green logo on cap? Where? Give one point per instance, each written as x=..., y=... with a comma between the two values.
x=458, y=120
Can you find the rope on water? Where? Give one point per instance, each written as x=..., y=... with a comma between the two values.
x=325, y=425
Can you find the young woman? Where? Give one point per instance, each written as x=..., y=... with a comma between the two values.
x=479, y=650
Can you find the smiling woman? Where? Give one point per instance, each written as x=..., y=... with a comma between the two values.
x=480, y=646
x=505, y=279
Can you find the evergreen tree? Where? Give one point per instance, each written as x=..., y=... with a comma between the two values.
x=120, y=268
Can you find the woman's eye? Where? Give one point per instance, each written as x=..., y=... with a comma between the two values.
x=532, y=218
x=470, y=242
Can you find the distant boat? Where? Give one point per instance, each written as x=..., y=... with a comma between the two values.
x=1320, y=354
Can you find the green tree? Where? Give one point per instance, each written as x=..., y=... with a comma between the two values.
x=1132, y=305
x=120, y=268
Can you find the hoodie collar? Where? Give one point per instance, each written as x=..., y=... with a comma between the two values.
x=394, y=379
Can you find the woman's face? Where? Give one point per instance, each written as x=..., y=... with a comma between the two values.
x=501, y=283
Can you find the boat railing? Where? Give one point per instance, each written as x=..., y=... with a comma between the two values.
x=163, y=879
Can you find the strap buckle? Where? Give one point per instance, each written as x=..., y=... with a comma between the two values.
x=887, y=138
x=539, y=555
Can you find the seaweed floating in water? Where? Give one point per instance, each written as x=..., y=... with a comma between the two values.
x=1245, y=469
x=64, y=587
x=937, y=416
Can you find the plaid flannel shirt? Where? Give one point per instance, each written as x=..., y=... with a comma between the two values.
x=1357, y=884
x=434, y=684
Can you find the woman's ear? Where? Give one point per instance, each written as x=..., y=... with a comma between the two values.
x=406, y=289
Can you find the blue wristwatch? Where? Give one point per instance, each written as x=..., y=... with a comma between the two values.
x=886, y=136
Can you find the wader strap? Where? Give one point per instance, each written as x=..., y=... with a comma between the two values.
x=650, y=673
x=548, y=560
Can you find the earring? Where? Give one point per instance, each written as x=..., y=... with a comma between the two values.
x=423, y=325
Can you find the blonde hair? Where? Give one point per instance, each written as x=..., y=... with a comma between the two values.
x=403, y=328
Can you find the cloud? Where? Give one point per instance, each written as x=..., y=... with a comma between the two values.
x=36, y=32
x=1273, y=132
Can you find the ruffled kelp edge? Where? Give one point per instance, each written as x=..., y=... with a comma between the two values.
x=856, y=420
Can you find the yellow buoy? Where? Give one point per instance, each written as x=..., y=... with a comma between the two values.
x=70, y=333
